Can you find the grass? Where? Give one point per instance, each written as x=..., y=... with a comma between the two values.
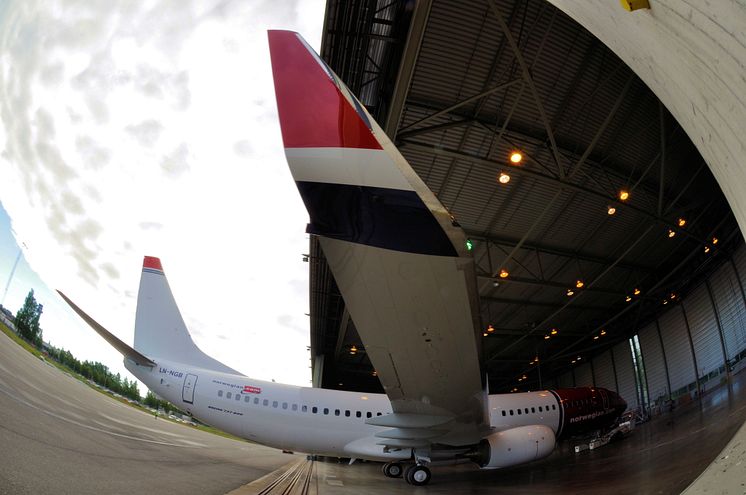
x=33, y=350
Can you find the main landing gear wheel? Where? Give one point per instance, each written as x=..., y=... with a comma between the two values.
x=417, y=475
x=392, y=469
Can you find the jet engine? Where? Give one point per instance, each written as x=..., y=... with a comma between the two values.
x=515, y=446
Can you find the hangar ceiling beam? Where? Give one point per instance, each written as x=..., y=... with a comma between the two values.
x=407, y=65
x=561, y=183
x=531, y=86
x=527, y=302
x=551, y=284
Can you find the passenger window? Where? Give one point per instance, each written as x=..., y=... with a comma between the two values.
x=525, y=410
x=379, y=414
x=315, y=409
x=539, y=408
x=228, y=395
x=256, y=400
x=503, y=412
x=554, y=406
x=533, y=410
x=238, y=397
x=295, y=407
x=347, y=413
x=220, y=393
x=326, y=410
x=358, y=414
x=519, y=412
x=274, y=403
x=247, y=399
x=265, y=402
x=336, y=412
x=368, y=414
x=284, y=405
x=511, y=412
x=304, y=408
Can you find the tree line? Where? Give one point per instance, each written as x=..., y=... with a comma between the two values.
x=27, y=323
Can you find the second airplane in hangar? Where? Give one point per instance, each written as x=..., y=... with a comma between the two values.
x=408, y=282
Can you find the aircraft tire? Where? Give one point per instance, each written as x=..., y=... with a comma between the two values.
x=417, y=475
x=393, y=470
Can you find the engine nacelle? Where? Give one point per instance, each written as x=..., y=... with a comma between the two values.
x=515, y=446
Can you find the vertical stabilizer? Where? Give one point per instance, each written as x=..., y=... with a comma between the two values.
x=160, y=331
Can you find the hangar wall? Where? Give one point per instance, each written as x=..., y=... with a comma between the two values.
x=688, y=349
x=692, y=56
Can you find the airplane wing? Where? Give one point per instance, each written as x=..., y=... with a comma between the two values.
x=399, y=259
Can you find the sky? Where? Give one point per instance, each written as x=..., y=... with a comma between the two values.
x=133, y=128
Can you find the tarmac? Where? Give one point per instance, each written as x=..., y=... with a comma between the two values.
x=58, y=435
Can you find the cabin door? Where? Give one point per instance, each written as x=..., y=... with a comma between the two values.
x=187, y=393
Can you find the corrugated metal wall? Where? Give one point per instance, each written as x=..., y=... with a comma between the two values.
x=726, y=291
x=604, y=371
x=655, y=367
x=566, y=380
x=678, y=349
x=704, y=329
x=583, y=376
x=625, y=374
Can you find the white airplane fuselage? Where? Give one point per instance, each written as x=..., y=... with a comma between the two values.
x=314, y=420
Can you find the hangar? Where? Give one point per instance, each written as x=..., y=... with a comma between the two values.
x=609, y=255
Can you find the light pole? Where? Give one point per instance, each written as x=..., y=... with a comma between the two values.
x=10, y=277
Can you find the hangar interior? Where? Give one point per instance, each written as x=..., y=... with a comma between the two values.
x=607, y=256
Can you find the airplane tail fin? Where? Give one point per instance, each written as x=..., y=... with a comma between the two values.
x=160, y=331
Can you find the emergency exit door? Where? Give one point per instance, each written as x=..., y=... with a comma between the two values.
x=187, y=393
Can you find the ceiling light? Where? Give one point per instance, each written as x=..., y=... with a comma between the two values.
x=375, y=373
x=624, y=195
x=665, y=301
x=707, y=249
x=595, y=337
x=603, y=332
x=610, y=210
x=524, y=377
x=682, y=222
x=495, y=283
x=573, y=361
x=554, y=331
x=484, y=334
x=579, y=284
x=490, y=329
x=469, y=244
x=714, y=240
x=546, y=337
x=636, y=291
x=570, y=292
x=671, y=233
x=516, y=157
x=353, y=350
x=503, y=178
x=673, y=296
x=628, y=298
x=579, y=358
x=504, y=273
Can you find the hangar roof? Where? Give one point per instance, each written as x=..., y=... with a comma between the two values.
x=459, y=86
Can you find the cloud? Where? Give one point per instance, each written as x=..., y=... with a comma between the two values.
x=146, y=133
x=176, y=163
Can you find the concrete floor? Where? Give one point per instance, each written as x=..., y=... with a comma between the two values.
x=57, y=435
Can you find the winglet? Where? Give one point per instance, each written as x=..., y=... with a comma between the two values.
x=152, y=262
x=112, y=339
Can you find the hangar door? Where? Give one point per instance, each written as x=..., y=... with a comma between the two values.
x=625, y=374
x=704, y=329
x=729, y=302
x=583, y=375
x=604, y=371
x=566, y=380
x=677, y=348
x=655, y=363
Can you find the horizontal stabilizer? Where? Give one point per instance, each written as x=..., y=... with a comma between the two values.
x=112, y=339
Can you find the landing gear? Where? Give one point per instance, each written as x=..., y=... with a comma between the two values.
x=392, y=469
x=417, y=475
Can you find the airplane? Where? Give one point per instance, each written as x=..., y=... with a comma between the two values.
x=401, y=263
